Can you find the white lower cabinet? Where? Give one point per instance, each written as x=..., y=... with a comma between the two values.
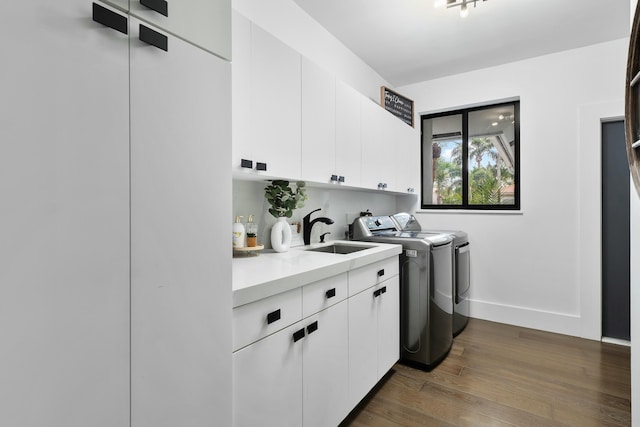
x=267, y=378
x=374, y=336
x=325, y=368
x=315, y=368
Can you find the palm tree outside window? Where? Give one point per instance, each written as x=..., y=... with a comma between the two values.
x=470, y=158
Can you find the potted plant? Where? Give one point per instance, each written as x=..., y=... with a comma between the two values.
x=283, y=200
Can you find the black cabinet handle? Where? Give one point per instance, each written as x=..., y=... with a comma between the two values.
x=383, y=290
x=376, y=293
x=261, y=166
x=109, y=18
x=159, y=6
x=153, y=38
x=381, y=273
x=312, y=327
x=341, y=178
x=298, y=335
x=334, y=178
x=273, y=316
x=244, y=163
x=331, y=293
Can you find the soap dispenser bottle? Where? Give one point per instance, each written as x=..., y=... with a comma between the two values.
x=251, y=229
x=238, y=233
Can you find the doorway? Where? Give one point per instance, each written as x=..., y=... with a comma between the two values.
x=615, y=233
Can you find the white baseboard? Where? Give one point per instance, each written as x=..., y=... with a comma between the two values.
x=526, y=317
x=616, y=341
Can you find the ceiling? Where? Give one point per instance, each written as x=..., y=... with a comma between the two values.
x=408, y=41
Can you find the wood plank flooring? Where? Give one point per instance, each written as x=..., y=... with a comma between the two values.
x=502, y=375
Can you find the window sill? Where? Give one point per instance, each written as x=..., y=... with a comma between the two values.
x=471, y=211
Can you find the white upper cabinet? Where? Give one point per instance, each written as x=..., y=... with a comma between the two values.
x=266, y=104
x=64, y=186
x=348, y=131
x=318, y=123
x=378, y=151
x=407, y=157
x=205, y=23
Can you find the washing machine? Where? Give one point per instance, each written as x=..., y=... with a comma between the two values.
x=461, y=254
x=426, y=299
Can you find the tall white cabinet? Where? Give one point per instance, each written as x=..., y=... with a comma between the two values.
x=180, y=208
x=112, y=173
x=64, y=245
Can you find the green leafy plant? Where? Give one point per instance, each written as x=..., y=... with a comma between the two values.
x=284, y=199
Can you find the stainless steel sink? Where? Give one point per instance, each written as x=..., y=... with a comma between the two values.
x=338, y=248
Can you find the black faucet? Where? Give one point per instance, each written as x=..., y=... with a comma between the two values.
x=307, y=224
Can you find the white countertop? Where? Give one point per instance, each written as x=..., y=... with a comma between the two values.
x=270, y=273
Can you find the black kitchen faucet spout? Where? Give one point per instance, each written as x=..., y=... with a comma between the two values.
x=307, y=224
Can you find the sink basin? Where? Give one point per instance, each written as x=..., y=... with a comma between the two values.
x=338, y=248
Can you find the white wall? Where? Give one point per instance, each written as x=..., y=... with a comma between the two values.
x=527, y=266
x=289, y=23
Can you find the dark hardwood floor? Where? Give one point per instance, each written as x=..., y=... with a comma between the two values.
x=501, y=375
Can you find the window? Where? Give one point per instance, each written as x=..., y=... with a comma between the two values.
x=470, y=158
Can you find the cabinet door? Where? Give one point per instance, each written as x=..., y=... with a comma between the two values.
x=64, y=186
x=388, y=305
x=205, y=23
x=318, y=123
x=407, y=141
x=180, y=208
x=326, y=368
x=267, y=379
x=275, y=104
x=241, y=94
x=348, y=140
x=378, y=150
x=363, y=345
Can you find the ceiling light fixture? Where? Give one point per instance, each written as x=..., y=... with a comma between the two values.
x=463, y=4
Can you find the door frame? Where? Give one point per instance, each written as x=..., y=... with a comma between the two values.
x=589, y=245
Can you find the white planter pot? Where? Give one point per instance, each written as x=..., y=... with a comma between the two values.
x=281, y=235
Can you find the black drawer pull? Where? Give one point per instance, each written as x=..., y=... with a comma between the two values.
x=341, y=178
x=334, y=178
x=273, y=316
x=376, y=293
x=331, y=293
x=159, y=6
x=381, y=273
x=244, y=163
x=298, y=335
x=383, y=290
x=109, y=18
x=261, y=166
x=312, y=327
x=153, y=38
